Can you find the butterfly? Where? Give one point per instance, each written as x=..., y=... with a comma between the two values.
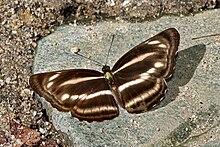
x=136, y=82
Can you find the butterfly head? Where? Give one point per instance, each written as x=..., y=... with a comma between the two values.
x=106, y=68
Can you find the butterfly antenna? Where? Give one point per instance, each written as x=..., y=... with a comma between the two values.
x=98, y=63
x=205, y=36
x=113, y=36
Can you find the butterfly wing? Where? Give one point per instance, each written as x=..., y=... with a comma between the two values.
x=140, y=73
x=83, y=92
x=155, y=56
x=140, y=93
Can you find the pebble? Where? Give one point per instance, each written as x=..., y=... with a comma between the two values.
x=1, y=82
x=43, y=131
x=8, y=80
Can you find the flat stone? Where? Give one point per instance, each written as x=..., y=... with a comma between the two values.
x=189, y=115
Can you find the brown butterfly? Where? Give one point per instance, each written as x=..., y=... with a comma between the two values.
x=136, y=82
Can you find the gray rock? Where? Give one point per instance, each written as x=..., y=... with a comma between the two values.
x=189, y=116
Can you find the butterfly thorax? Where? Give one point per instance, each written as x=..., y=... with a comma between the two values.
x=108, y=74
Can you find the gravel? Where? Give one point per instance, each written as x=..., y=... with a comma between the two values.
x=23, y=23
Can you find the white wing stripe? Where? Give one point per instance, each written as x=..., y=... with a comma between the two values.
x=162, y=46
x=65, y=96
x=143, y=96
x=135, y=60
x=93, y=95
x=131, y=83
x=104, y=92
x=158, y=64
x=54, y=77
x=78, y=80
x=154, y=42
x=134, y=101
x=49, y=84
x=95, y=109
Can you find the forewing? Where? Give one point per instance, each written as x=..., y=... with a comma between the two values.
x=83, y=92
x=155, y=56
x=140, y=93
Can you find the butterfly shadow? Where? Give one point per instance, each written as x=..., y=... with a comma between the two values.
x=186, y=65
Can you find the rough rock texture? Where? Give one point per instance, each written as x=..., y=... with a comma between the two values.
x=189, y=116
x=23, y=23
x=134, y=9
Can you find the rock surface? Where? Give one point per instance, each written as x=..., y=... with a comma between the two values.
x=188, y=116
